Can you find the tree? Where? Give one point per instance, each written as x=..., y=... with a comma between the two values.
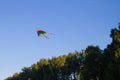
x=112, y=56
x=92, y=64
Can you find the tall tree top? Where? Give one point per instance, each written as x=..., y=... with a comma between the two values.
x=119, y=25
x=115, y=34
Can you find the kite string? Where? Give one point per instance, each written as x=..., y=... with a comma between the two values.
x=50, y=33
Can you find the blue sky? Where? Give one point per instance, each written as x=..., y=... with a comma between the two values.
x=75, y=24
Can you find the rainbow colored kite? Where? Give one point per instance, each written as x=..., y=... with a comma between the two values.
x=42, y=33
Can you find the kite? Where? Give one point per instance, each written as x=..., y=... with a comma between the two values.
x=42, y=33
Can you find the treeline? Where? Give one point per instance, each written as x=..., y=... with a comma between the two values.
x=89, y=64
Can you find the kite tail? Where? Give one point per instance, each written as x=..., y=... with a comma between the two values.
x=46, y=36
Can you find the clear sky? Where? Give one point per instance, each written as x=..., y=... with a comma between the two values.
x=74, y=23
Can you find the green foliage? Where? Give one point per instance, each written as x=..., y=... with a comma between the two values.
x=117, y=53
x=112, y=57
x=92, y=64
